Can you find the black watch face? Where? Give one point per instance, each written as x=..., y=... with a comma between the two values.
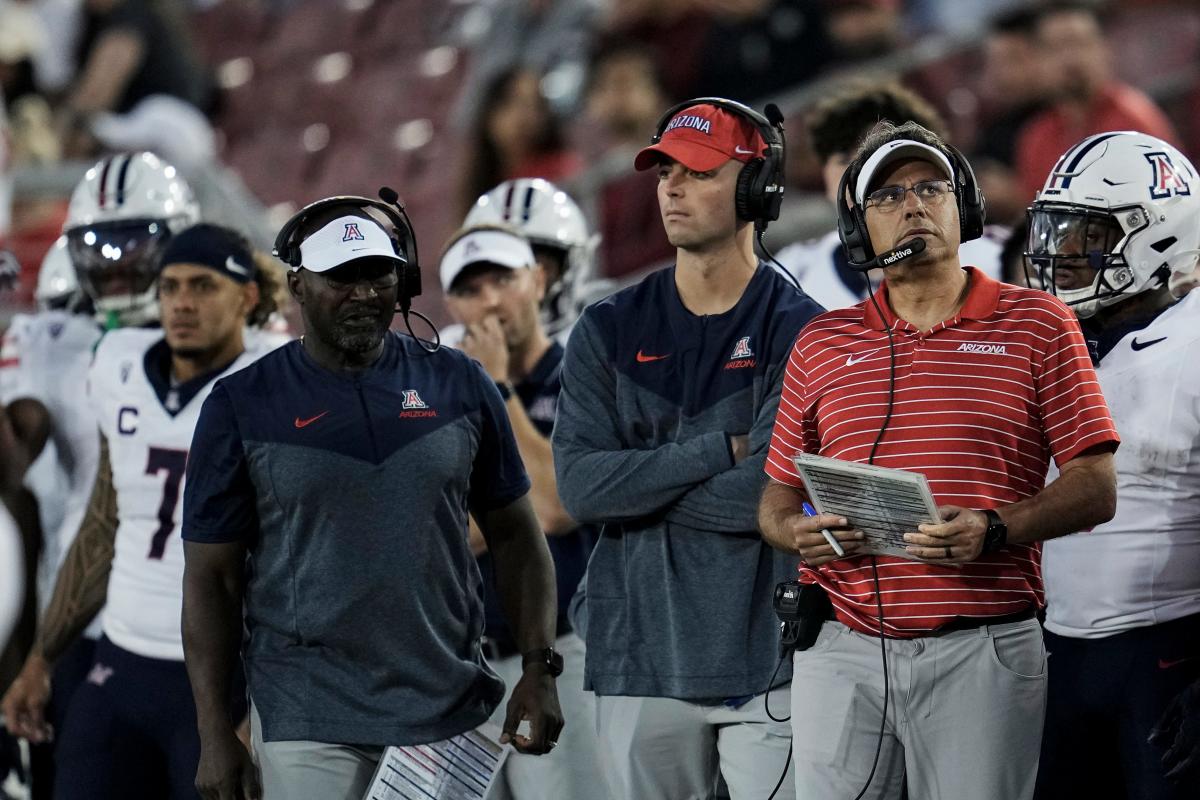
x=996, y=533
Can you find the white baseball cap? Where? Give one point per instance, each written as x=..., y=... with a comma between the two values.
x=346, y=239
x=490, y=245
x=892, y=152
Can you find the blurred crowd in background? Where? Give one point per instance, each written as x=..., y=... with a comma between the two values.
x=266, y=105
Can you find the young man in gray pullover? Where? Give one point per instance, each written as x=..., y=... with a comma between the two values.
x=669, y=391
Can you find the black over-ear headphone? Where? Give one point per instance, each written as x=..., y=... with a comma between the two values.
x=852, y=220
x=404, y=240
x=760, y=183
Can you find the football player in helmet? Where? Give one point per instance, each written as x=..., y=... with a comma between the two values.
x=564, y=247
x=52, y=448
x=146, y=386
x=119, y=220
x=120, y=215
x=1117, y=215
x=57, y=286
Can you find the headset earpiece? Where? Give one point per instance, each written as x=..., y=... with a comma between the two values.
x=744, y=195
x=972, y=209
x=852, y=224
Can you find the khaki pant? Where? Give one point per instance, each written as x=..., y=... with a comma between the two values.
x=658, y=748
x=300, y=770
x=964, y=722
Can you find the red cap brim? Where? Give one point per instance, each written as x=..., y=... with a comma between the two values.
x=694, y=156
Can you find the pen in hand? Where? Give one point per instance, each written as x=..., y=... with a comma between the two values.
x=829, y=537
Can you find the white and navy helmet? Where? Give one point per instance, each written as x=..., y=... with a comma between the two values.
x=57, y=286
x=120, y=217
x=549, y=219
x=1128, y=204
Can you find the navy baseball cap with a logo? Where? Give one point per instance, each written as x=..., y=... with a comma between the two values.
x=703, y=137
x=343, y=240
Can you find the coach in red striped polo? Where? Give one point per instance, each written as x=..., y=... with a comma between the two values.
x=986, y=383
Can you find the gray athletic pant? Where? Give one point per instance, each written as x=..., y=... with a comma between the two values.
x=300, y=770
x=964, y=722
x=572, y=769
x=658, y=748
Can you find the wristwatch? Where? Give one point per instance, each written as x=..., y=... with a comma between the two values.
x=505, y=388
x=547, y=656
x=996, y=535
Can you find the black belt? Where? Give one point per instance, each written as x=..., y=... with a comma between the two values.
x=971, y=623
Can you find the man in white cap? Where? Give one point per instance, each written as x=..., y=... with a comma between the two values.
x=974, y=384
x=329, y=491
x=494, y=286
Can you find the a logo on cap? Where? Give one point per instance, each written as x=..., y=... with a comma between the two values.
x=690, y=121
x=235, y=267
x=471, y=249
x=352, y=233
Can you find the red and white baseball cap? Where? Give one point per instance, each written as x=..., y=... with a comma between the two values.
x=703, y=137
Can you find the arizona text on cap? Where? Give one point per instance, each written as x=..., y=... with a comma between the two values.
x=900, y=149
x=702, y=138
x=343, y=240
x=485, y=245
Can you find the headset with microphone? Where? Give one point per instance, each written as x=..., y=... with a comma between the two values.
x=760, y=183
x=852, y=220
x=852, y=230
x=402, y=236
x=759, y=191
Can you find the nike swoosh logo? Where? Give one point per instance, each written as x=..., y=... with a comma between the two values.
x=742, y=151
x=644, y=359
x=235, y=268
x=852, y=360
x=304, y=423
x=1164, y=664
x=1136, y=345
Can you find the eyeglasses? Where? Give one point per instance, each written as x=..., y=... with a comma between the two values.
x=890, y=198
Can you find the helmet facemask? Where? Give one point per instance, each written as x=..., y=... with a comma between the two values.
x=1064, y=239
x=117, y=265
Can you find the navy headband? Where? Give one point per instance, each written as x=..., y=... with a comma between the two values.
x=212, y=246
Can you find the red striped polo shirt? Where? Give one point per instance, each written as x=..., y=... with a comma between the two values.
x=982, y=401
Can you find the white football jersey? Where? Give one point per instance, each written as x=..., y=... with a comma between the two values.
x=45, y=357
x=811, y=263
x=1143, y=566
x=264, y=340
x=148, y=425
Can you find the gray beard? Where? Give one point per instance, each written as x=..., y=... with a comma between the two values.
x=358, y=342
